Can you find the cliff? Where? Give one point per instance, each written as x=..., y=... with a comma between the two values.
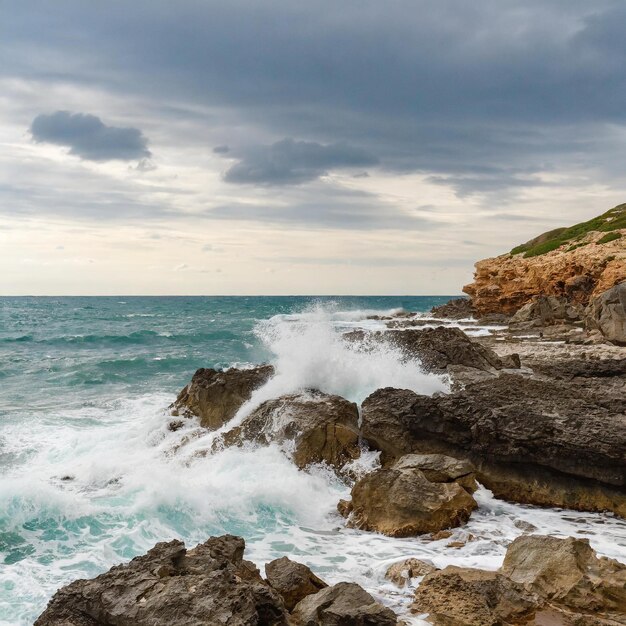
x=578, y=263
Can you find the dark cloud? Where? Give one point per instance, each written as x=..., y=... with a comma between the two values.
x=290, y=162
x=89, y=138
x=221, y=149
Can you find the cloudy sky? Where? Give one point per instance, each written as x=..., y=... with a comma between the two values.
x=281, y=147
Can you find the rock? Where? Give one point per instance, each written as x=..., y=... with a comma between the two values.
x=216, y=396
x=401, y=501
x=439, y=468
x=210, y=584
x=607, y=313
x=322, y=427
x=457, y=309
x=293, y=581
x=567, y=572
x=344, y=604
x=457, y=596
x=578, y=271
x=400, y=573
x=534, y=441
x=547, y=310
x=544, y=581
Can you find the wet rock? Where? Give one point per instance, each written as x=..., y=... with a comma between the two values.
x=344, y=604
x=467, y=597
x=544, y=581
x=293, y=581
x=457, y=309
x=400, y=573
x=216, y=396
x=210, y=584
x=401, y=501
x=533, y=441
x=439, y=468
x=607, y=313
x=320, y=428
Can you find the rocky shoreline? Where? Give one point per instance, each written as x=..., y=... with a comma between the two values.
x=534, y=420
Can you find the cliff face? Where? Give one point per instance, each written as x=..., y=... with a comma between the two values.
x=578, y=263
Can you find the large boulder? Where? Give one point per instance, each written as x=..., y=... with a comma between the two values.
x=293, y=581
x=607, y=313
x=456, y=309
x=543, y=581
x=548, y=310
x=534, y=441
x=215, y=396
x=405, y=500
x=318, y=426
x=344, y=604
x=210, y=584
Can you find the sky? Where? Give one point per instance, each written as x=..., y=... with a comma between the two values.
x=283, y=147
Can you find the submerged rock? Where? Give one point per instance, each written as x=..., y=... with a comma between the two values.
x=543, y=581
x=210, y=584
x=344, y=604
x=216, y=396
x=539, y=442
x=405, y=500
x=293, y=581
x=317, y=426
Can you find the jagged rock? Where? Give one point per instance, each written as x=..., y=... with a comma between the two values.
x=457, y=309
x=403, y=500
x=567, y=572
x=543, y=581
x=607, y=313
x=534, y=441
x=400, y=573
x=344, y=604
x=547, y=310
x=216, y=396
x=293, y=581
x=468, y=597
x=322, y=427
x=210, y=584
x=439, y=468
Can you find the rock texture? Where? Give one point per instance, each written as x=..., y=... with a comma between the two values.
x=417, y=494
x=320, y=428
x=210, y=584
x=506, y=283
x=544, y=581
x=293, y=581
x=215, y=396
x=457, y=309
x=607, y=313
x=532, y=441
x=400, y=573
x=344, y=604
x=548, y=310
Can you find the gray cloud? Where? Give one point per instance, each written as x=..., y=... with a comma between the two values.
x=290, y=162
x=221, y=149
x=89, y=138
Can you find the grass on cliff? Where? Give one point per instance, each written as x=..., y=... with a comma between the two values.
x=610, y=221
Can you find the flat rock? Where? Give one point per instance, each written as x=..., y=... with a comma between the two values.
x=215, y=396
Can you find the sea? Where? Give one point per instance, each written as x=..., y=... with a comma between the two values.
x=91, y=476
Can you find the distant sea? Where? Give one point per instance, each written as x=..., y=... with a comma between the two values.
x=91, y=476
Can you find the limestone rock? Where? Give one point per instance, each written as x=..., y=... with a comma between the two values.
x=322, y=427
x=547, y=310
x=216, y=396
x=210, y=584
x=401, y=501
x=400, y=573
x=344, y=604
x=534, y=441
x=607, y=313
x=457, y=309
x=293, y=581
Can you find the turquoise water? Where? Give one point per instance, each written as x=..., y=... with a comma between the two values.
x=87, y=476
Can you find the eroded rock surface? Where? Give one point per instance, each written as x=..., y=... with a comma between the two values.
x=215, y=396
x=457, y=309
x=320, y=427
x=400, y=573
x=404, y=500
x=293, y=581
x=607, y=313
x=534, y=441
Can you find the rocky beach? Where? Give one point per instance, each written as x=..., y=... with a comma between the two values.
x=529, y=410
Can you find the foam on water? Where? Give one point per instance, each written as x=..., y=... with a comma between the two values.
x=94, y=483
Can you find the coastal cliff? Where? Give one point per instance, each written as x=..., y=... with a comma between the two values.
x=578, y=263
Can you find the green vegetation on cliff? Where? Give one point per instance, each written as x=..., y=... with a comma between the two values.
x=612, y=220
